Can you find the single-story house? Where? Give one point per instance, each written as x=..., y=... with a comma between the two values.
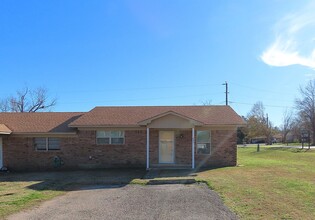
x=138, y=136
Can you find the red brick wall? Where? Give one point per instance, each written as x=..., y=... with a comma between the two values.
x=223, y=150
x=76, y=152
x=183, y=147
x=83, y=152
x=154, y=146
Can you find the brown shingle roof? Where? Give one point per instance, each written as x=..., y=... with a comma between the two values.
x=131, y=116
x=59, y=122
x=39, y=122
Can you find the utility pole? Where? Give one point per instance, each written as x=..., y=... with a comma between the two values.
x=268, y=130
x=267, y=121
x=226, y=93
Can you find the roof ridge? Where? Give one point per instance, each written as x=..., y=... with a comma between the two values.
x=152, y=106
x=42, y=112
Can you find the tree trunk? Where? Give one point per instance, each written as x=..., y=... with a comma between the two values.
x=284, y=139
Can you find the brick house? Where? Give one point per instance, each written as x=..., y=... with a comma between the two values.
x=142, y=136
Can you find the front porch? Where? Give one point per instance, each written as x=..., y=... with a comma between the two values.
x=170, y=148
x=170, y=141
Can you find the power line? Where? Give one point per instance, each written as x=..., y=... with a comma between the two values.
x=128, y=100
x=274, y=106
x=139, y=88
x=259, y=89
x=252, y=97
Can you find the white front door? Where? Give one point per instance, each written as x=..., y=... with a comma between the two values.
x=1, y=157
x=166, y=147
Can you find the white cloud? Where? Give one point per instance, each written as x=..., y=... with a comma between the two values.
x=294, y=41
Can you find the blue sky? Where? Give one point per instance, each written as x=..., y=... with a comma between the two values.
x=92, y=53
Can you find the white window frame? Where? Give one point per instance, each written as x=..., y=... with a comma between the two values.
x=110, y=137
x=209, y=142
x=47, y=145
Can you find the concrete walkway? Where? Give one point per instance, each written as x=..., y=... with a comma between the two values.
x=276, y=145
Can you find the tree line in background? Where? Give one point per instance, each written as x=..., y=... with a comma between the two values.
x=28, y=100
x=295, y=122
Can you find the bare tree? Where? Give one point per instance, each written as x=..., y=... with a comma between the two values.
x=207, y=102
x=287, y=124
x=296, y=129
x=27, y=100
x=258, y=124
x=4, y=105
x=257, y=111
x=306, y=107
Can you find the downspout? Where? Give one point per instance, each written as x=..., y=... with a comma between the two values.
x=148, y=148
x=193, y=148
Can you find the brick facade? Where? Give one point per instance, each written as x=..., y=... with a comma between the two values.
x=82, y=151
x=79, y=152
x=223, y=150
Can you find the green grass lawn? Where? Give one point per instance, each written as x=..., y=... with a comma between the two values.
x=15, y=196
x=275, y=183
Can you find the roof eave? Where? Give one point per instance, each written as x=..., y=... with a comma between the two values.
x=104, y=126
x=235, y=125
x=44, y=133
x=5, y=133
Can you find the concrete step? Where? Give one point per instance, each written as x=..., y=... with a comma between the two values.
x=170, y=166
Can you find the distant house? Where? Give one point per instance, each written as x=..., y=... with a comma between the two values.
x=143, y=136
x=258, y=140
x=277, y=138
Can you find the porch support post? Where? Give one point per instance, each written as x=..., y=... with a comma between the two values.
x=193, y=148
x=148, y=148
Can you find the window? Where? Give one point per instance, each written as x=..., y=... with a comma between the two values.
x=110, y=137
x=47, y=144
x=203, y=142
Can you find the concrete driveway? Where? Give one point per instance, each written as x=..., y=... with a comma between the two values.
x=171, y=201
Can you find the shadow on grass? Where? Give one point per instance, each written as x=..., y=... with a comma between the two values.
x=74, y=180
x=89, y=179
x=169, y=176
x=168, y=173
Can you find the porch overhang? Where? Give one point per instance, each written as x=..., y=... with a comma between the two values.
x=170, y=119
x=4, y=129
